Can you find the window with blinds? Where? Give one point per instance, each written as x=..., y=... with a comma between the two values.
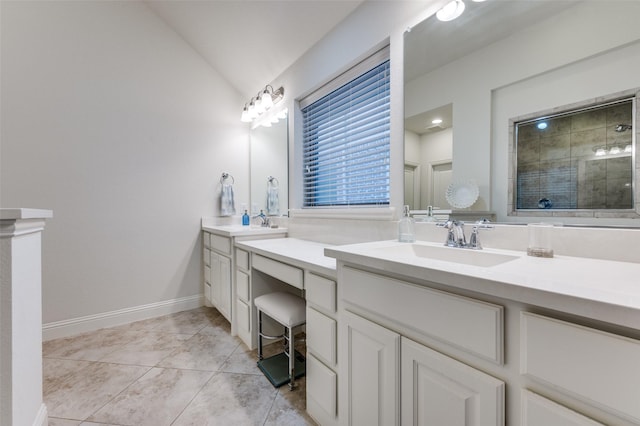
x=346, y=139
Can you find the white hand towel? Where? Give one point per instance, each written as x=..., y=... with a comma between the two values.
x=227, y=206
x=273, y=201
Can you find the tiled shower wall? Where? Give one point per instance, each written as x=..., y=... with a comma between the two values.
x=559, y=163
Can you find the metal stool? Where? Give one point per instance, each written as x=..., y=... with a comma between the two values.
x=288, y=310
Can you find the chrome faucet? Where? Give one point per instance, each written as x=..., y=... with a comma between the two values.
x=264, y=219
x=455, y=233
x=456, y=237
x=474, y=242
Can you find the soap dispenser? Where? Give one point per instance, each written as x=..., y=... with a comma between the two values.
x=405, y=227
x=245, y=218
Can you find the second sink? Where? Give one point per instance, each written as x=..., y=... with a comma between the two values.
x=448, y=254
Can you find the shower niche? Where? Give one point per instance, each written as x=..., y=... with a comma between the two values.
x=578, y=158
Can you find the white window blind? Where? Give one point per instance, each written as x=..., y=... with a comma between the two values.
x=346, y=138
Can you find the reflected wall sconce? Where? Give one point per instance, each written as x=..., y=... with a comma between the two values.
x=603, y=150
x=262, y=102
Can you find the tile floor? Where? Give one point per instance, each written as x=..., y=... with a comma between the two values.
x=179, y=369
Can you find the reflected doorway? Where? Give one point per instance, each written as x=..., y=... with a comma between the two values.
x=440, y=180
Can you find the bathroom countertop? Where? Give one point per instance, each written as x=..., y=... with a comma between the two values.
x=309, y=255
x=600, y=289
x=239, y=230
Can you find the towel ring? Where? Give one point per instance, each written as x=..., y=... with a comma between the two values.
x=272, y=179
x=226, y=176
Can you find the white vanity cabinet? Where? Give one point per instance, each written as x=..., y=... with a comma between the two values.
x=220, y=275
x=459, y=345
x=389, y=379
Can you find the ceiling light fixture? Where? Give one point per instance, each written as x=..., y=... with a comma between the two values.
x=450, y=11
x=436, y=121
x=261, y=103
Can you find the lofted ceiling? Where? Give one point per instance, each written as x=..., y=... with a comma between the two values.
x=251, y=42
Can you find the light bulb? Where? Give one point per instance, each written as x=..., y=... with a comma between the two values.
x=436, y=121
x=628, y=148
x=450, y=11
x=282, y=114
x=600, y=152
x=615, y=150
x=245, y=115
x=252, y=110
x=259, y=106
x=267, y=100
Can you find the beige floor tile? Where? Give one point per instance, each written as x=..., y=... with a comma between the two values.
x=56, y=371
x=289, y=407
x=155, y=399
x=230, y=399
x=201, y=352
x=79, y=391
x=88, y=389
x=242, y=361
x=148, y=350
x=187, y=322
x=63, y=422
x=89, y=346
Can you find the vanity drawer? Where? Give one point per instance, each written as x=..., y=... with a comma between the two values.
x=322, y=392
x=242, y=259
x=472, y=325
x=206, y=256
x=207, y=274
x=598, y=367
x=320, y=291
x=206, y=239
x=287, y=273
x=538, y=410
x=221, y=244
x=321, y=336
x=242, y=281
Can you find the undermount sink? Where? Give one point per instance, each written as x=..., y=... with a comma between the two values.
x=448, y=254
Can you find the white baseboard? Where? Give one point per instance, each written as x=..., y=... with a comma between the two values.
x=70, y=327
x=42, y=418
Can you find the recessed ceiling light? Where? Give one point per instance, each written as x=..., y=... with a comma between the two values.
x=436, y=121
x=450, y=11
x=542, y=125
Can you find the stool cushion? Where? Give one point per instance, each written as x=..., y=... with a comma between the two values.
x=286, y=308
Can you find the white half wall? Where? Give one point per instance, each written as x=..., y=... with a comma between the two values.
x=112, y=121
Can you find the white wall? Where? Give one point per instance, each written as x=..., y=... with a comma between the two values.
x=583, y=39
x=114, y=123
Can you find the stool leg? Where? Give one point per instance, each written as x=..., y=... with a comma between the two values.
x=259, y=335
x=292, y=363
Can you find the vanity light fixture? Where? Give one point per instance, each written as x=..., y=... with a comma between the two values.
x=450, y=11
x=261, y=103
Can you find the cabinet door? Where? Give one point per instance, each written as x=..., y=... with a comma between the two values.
x=221, y=284
x=438, y=390
x=370, y=367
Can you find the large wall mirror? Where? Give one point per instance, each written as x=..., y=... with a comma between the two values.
x=502, y=60
x=269, y=169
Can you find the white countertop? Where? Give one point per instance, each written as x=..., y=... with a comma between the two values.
x=22, y=213
x=304, y=254
x=239, y=230
x=599, y=289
